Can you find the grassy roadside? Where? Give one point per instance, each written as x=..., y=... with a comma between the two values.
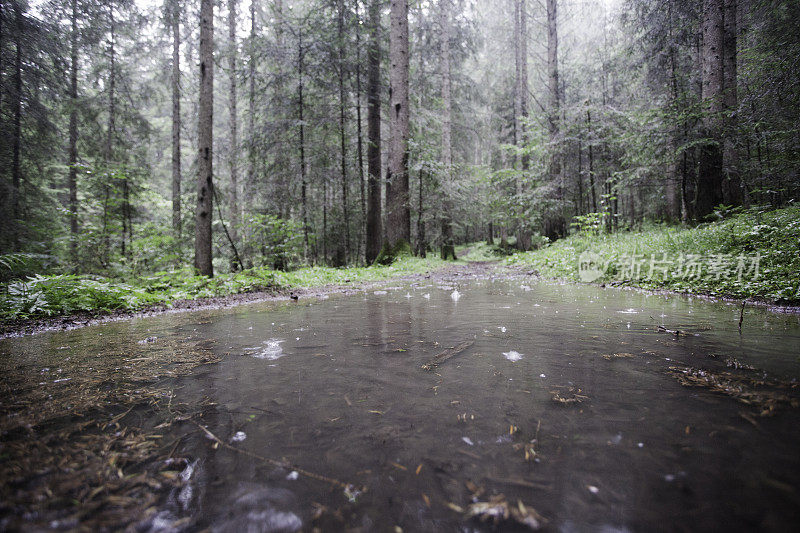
x=701, y=260
x=61, y=295
x=771, y=236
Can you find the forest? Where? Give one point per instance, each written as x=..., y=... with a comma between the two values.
x=142, y=137
x=399, y=265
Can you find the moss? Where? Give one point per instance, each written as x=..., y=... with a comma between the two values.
x=390, y=253
x=771, y=235
x=448, y=252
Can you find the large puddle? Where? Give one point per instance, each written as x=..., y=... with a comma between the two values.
x=566, y=398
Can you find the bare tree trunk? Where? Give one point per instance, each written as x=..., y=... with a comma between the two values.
x=300, y=104
x=521, y=110
x=233, y=155
x=112, y=129
x=112, y=82
x=72, y=176
x=579, y=175
x=342, y=133
x=249, y=186
x=398, y=216
x=422, y=247
x=360, y=139
x=554, y=225
x=16, y=157
x=205, y=184
x=730, y=157
x=374, y=231
x=672, y=176
x=591, y=162
x=176, y=117
x=709, y=186
x=447, y=148
x=2, y=66
x=282, y=163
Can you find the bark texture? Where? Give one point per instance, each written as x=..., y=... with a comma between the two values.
x=447, y=148
x=72, y=175
x=202, y=234
x=233, y=155
x=398, y=216
x=374, y=232
x=709, y=179
x=175, y=29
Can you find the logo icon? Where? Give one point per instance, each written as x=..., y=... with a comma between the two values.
x=590, y=267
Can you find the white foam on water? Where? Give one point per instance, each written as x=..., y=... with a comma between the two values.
x=272, y=350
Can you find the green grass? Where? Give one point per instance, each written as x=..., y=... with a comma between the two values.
x=42, y=296
x=773, y=235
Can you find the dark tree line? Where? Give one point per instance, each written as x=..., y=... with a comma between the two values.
x=344, y=131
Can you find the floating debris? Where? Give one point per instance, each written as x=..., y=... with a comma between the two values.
x=497, y=510
x=512, y=356
x=468, y=441
x=445, y=355
x=239, y=436
x=351, y=493
x=570, y=396
x=677, y=332
x=732, y=362
x=148, y=340
x=765, y=394
x=455, y=295
x=622, y=355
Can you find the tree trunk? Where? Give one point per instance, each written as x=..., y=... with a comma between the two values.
x=302, y=141
x=16, y=156
x=709, y=186
x=521, y=112
x=374, y=231
x=282, y=163
x=233, y=155
x=342, y=133
x=554, y=225
x=249, y=186
x=205, y=184
x=72, y=176
x=359, y=135
x=447, y=148
x=730, y=158
x=672, y=175
x=176, y=118
x=398, y=216
x=112, y=82
x=591, y=161
x=579, y=175
x=422, y=246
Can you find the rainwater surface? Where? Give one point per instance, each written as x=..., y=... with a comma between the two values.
x=563, y=397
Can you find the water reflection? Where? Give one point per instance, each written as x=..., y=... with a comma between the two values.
x=347, y=399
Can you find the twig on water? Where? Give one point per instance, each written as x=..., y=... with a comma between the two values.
x=275, y=462
x=447, y=354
